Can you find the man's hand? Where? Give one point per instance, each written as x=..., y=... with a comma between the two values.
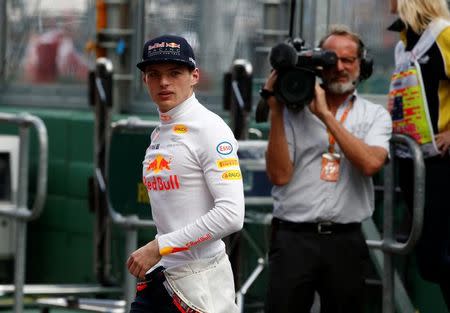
x=319, y=105
x=443, y=141
x=269, y=85
x=141, y=260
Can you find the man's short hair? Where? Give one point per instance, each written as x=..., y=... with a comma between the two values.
x=344, y=30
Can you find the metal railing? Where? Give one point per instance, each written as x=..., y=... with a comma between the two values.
x=130, y=223
x=394, y=293
x=388, y=244
x=20, y=211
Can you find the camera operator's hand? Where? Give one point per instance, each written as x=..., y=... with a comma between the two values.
x=278, y=163
x=319, y=105
x=269, y=85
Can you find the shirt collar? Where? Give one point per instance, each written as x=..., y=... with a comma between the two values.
x=174, y=113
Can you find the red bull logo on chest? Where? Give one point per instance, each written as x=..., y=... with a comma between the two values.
x=158, y=164
x=158, y=183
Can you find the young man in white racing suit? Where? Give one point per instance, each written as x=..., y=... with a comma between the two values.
x=192, y=174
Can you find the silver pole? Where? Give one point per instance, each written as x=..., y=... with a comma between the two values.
x=21, y=227
x=130, y=280
x=3, y=35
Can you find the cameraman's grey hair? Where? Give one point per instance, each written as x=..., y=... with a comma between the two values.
x=344, y=30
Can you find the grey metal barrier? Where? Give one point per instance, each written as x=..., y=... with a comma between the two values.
x=255, y=162
x=20, y=211
x=253, y=166
x=394, y=294
x=130, y=223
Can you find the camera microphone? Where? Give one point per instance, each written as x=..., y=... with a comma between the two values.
x=283, y=56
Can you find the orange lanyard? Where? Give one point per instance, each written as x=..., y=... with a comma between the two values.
x=331, y=140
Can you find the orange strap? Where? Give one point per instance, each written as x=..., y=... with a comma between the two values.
x=331, y=140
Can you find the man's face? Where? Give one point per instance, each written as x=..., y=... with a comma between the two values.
x=169, y=84
x=342, y=78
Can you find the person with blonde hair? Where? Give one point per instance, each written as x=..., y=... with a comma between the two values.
x=424, y=27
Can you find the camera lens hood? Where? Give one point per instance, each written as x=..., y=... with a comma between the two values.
x=295, y=87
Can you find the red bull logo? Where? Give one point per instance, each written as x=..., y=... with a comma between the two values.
x=156, y=45
x=173, y=45
x=158, y=164
x=163, y=44
x=169, y=250
x=157, y=183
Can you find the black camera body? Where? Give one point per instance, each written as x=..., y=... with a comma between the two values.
x=297, y=68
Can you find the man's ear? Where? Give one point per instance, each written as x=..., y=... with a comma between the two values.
x=195, y=76
x=144, y=78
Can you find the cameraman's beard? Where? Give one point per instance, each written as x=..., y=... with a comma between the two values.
x=339, y=88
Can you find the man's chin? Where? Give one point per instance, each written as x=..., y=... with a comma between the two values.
x=341, y=88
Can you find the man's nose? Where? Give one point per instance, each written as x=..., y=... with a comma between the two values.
x=164, y=80
x=340, y=65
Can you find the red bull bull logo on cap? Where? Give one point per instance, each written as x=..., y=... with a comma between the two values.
x=173, y=45
x=163, y=44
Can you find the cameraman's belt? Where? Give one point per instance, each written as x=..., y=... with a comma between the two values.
x=324, y=228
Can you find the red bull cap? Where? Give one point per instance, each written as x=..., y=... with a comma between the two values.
x=167, y=48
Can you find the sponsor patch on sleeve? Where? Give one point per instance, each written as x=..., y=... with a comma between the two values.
x=225, y=163
x=224, y=148
x=232, y=175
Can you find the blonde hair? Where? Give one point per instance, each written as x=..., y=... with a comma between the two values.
x=417, y=14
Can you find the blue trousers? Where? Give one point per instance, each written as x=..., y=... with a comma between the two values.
x=152, y=296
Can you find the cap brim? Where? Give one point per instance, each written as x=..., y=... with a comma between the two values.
x=142, y=65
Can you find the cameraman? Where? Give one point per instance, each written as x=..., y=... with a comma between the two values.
x=320, y=161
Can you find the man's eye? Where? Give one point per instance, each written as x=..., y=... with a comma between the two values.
x=347, y=60
x=152, y=74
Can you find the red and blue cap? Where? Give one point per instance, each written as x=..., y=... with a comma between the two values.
x=167, y=49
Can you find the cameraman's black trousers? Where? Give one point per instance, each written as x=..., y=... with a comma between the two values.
x=303, y=261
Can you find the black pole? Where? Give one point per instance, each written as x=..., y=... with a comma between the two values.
x=238, y=84
x=100, y=95
x=292, y=19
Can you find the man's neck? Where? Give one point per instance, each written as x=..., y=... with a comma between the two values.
x=334, y=101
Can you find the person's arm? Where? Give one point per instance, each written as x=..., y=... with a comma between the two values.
x=279, y=166
x=144, y=258
x=369, y=159
x=215, y=150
